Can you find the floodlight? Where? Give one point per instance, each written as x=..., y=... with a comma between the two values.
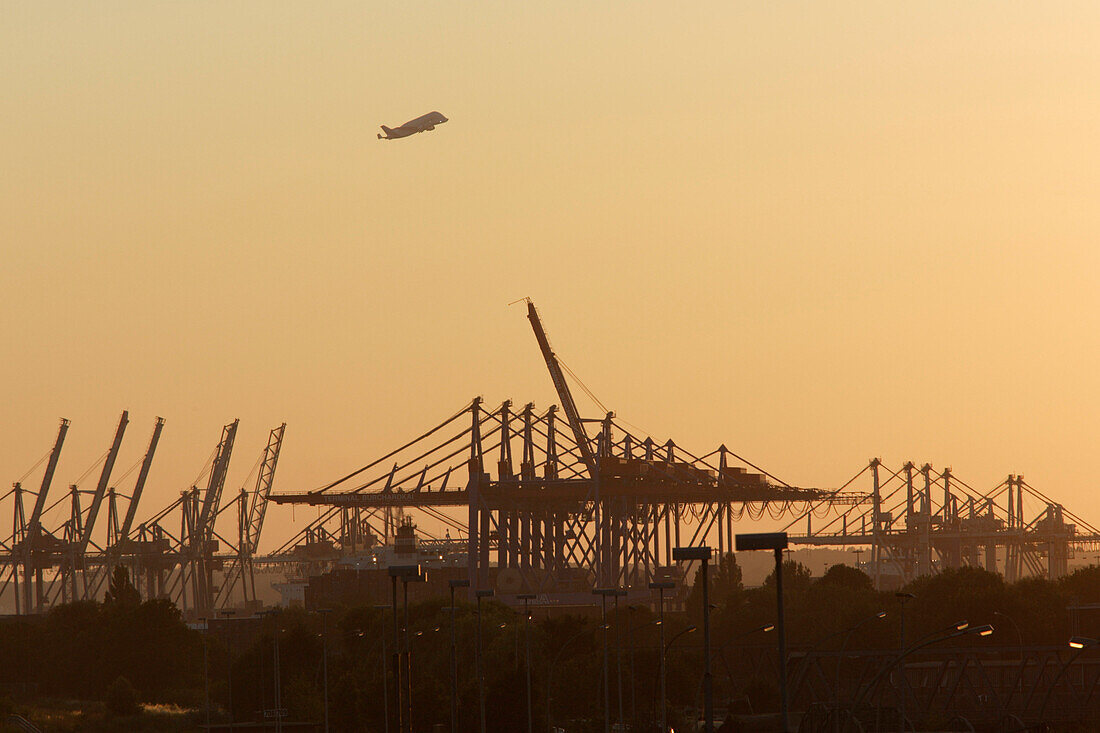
x=691, y=553
x=761, y=541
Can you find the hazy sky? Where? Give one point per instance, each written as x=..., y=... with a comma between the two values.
x=817, y=232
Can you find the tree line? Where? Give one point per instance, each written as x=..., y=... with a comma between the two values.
x=82, y=650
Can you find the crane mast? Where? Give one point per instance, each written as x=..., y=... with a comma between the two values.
x=101, y=487
x=131, y=509
x=571, y=414
x=35, y=524
x=264, y=481
x=214, y=486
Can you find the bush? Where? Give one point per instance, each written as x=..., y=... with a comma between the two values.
x=122, y=698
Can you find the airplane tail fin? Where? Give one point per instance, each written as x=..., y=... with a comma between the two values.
x=386, y=130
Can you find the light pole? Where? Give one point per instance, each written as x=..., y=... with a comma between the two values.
x=418, y=577
x=455, y=583
x=205, y=670
x=525, y=597
x=228, y=613
x=396, y=656
x=661, y=587
x=903, y=598
x=722, y=649
x=1080, y=643
x=664, y=661
x=703, y=554
x=324, y=656
x=479, y=594
x=604, y=593
x=385, y=671
x=550, y=676
x=777, y=543
x=407, y=574
x=984, y=630
x=1019, y=636
x=619, y=592
x=840, y=660
x=630, y=609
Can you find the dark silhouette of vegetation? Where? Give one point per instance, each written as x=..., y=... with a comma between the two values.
x=122, y=698
x=121, y=592
x=123, y=652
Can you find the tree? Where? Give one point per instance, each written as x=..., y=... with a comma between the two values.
x=725, y=585
x=849, y=578
x=121, y=592
x=122, y=698
x=796, y=577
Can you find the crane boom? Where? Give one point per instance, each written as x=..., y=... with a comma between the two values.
x=131, y=510
x=101, y=487
x=566, y=397
x=35, y=524
x=264, y=481
x=217, y=476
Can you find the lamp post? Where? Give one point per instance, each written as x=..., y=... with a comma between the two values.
x=396, y=656
x=1080, y=643
x=722, y=649
x=903, y=598
x=630, y=628
x=604, y=593
x=479, y=594
x=525, y=597
x=205, y=669
x=840, y=659
x=407, y=574
x=278, y=710
x=324, y=656
x=661, y=587
x=455, y=583
x=227, y=614
x=385, y=672
x=702, y=554
x=550, y=676
x=664, y=661
x=776, y=542
x=983, y=631
x=619, y=593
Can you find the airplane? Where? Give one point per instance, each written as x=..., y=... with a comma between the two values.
x=422, y=123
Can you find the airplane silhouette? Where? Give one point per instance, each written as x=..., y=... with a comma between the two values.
x=422, y=123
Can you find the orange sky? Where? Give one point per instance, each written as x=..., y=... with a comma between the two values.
x=815, y=232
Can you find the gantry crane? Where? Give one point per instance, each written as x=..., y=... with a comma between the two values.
x=250, y=521
x=32, y=569
x=81, y=527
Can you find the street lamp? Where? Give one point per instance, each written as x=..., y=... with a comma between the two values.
x=840, y=659
x=278, y=711
x=903, y=598
x=227, y=614
x=407, y=574
x=664, y=654
x=661, y=587
x=324, y=655
x=550, y=675
x=455, y=583
x=205, y=669
x=722, y=649
x=479, y=594
x=1080, y=644
x=702, y=554
x=604, y=593
x=385, y=670
x=525, y=597
x=961, y=629
x=777, y=543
